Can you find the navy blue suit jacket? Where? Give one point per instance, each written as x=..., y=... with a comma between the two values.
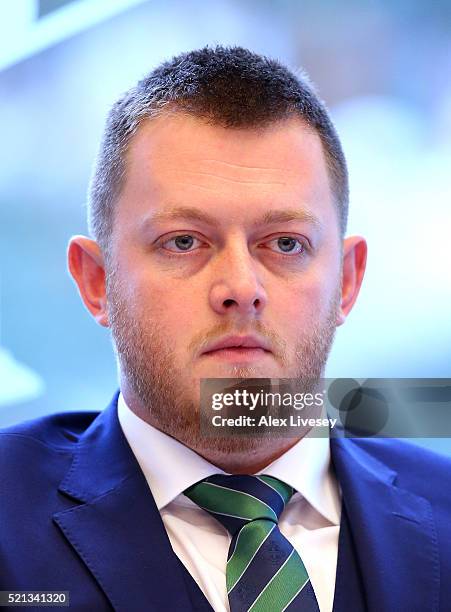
x=76, y=514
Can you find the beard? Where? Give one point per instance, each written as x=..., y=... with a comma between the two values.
x=166, y=398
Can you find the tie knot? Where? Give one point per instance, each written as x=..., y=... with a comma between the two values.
x=236, y=500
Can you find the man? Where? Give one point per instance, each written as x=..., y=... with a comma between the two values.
x=218, y=212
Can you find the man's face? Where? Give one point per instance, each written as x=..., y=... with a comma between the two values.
x=221, y=236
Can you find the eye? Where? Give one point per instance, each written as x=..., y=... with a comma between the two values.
x=181, y=243
x=287, y=245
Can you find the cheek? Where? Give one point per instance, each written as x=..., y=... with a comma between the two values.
x=299, y=304
x=169, y=304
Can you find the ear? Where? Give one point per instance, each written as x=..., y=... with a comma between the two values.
x=354, y=263
x=86, y=265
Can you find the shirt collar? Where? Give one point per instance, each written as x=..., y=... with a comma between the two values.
x=305, y=466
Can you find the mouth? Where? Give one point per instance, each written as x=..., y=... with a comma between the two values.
x=238, y=349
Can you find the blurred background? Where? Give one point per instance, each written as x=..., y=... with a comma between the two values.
x=383, y=69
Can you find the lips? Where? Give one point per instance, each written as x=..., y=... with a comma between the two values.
x=238, y=342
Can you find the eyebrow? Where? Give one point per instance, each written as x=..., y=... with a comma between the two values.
x=284, y=216
x=182, y=212
x=269, y=218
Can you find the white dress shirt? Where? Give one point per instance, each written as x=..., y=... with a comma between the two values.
x=310, y=520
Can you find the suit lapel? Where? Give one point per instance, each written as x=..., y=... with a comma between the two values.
x=392, y=531
x=116, y=529
x=349, y=593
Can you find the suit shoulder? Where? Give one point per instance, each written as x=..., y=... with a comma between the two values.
x=57, y=431
x=417, y=468
x=402, y=453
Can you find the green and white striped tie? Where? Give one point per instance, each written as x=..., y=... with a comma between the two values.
x=264, y=572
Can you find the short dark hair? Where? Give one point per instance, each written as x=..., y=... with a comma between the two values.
x=227, y=86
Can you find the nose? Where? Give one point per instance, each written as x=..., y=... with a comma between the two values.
x=236, y=288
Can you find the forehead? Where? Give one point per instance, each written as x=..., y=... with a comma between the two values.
x=177, y=160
